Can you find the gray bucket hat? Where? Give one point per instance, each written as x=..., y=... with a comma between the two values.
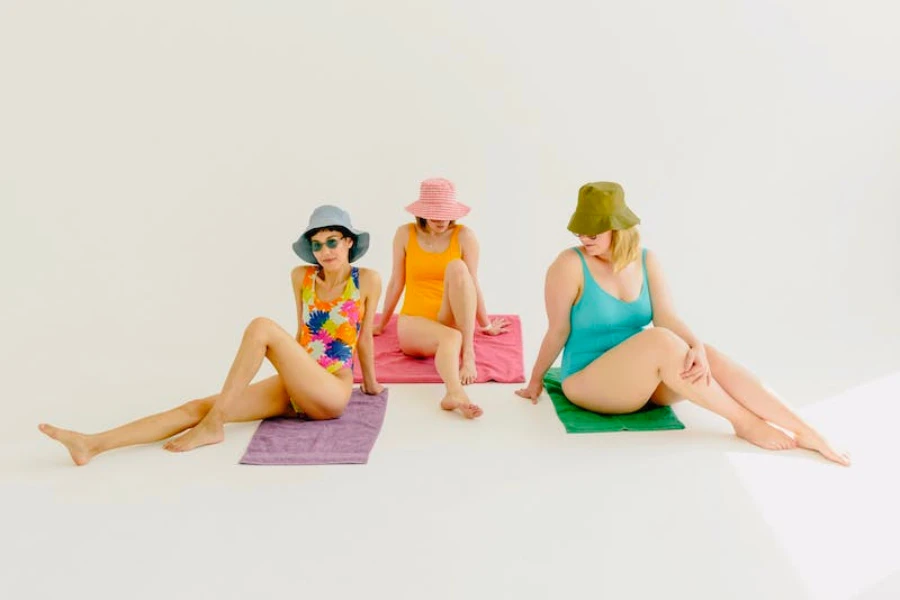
x=330, y=216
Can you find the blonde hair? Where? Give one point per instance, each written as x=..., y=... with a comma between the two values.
x=624, y=247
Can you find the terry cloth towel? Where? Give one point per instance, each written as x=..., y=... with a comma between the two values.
x=304, y=441
x=497, y=357
x=577, y=420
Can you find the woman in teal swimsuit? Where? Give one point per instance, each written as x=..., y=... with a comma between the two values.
x=601, y=297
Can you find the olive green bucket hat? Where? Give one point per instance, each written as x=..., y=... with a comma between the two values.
x=601, y=207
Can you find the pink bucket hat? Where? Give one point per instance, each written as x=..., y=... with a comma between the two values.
x=437, y=201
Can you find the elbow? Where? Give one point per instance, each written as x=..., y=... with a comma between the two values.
x=364, y=342
x=558, y=335
x=663, y=319
x=395, y=286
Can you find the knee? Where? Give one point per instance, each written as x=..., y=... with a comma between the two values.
x=457, y=271
x=259, y=328
x=668, y=343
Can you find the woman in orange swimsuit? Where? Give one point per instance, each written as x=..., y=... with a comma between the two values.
x=436, y=260
x=336, y=305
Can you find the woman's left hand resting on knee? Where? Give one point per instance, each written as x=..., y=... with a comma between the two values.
x=696, y=365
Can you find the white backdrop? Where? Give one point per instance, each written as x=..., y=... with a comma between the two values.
x=158, y=159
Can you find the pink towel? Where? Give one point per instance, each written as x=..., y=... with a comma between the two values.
x=497, y=357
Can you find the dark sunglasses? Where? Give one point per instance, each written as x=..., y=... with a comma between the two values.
x=331, y=242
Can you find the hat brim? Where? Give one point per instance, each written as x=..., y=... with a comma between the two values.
x=449, y=212
x=303, y=246
x=587, y=224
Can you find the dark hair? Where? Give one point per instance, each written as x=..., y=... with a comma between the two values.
x=423, y=222
x=336, y=228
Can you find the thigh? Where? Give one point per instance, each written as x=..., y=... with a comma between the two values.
x=419, y=336
x=315, y=391
x=621, y=380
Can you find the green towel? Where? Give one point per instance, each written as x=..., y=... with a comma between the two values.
x=577, y=420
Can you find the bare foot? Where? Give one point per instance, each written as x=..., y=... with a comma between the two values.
x=811, y=440
x=459, y=401
x=468, y=372
x=206, y=432
x=76, y=443
x=762, y=434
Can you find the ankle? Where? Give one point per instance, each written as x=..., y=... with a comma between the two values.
x=744, y=422
x=95, y=443
x=214, y=417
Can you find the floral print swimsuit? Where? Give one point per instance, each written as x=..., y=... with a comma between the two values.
x=331, y=328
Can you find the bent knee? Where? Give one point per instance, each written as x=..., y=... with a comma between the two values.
x=666, y=340
x=457, y=271
x=259, y=327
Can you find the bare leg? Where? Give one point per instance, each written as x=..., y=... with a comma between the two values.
x=324, y=395
x=261, y=400
x=419, y=336
x=458, y=311
x=756, y=397
x=632, y=371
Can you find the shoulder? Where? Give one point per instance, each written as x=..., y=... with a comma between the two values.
x=650, y=259
x=369, y=279
x=567, y=261
x=402, y=233
x=300, y=272
x=466, y=237
x=565, y=269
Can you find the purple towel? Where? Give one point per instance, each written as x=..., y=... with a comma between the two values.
x=303, y=441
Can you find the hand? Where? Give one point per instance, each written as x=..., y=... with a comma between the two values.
x=371, y=389
x=531, y=392
x=696, y=367
x=378, y=329
x=495, y=327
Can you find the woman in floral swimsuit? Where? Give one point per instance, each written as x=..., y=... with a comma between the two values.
x=335, y=307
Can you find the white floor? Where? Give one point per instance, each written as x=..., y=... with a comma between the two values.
x=505, y=507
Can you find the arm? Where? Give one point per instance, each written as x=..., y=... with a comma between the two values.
x=297, y=283
x=696, y=365
x=470, y=253
x=370, y=284
x=561, y=288
x=663, y=308
x=397, y=281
